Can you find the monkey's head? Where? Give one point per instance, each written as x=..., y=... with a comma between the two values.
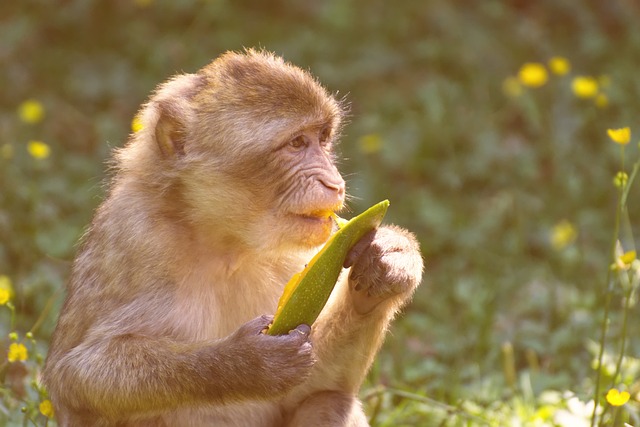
x=243, y=149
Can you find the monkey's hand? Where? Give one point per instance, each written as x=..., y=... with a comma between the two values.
x=385, y=264
x=269, y=366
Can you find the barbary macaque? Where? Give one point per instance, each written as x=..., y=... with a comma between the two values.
x=214, y=204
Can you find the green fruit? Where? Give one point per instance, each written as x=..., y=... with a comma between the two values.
x=307, y=292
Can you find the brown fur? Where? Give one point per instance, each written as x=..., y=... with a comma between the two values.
x=214, y=204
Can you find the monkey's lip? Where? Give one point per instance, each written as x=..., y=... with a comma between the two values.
x=322, y=216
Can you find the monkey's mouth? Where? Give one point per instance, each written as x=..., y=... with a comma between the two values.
x=321, y=217
x=315, y=218
x=312, y=228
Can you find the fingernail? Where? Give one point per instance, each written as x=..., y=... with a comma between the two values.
x=304, y=329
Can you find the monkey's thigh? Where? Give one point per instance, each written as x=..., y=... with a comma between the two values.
x=329, y=409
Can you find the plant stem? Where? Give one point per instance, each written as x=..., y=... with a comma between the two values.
x=620, y=208
x=627, y=305
x=630, y=286
x=607, y=304
x=45, y=311
x=432, y=402
x=625, y=193
x=12, y=322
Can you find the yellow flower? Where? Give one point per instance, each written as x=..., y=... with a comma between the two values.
x=617, y=398
x=46, y=408
x=31, y=111
x=5, y=296
x=623, y=259
x=17, y=352
x=559, y=65
x=628, y=257
x=370, y=144
x=584, y=87
x=6, y=289
x=38, y=149
x=620, y=136
x=5, y=282
x=511, y=87
x=620, y=180
x=533, y=74
x=602, y=101
x=563, y=234
x=136, y=124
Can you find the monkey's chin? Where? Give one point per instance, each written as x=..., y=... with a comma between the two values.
x=311, y=230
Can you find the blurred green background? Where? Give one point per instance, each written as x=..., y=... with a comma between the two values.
x=480, y=166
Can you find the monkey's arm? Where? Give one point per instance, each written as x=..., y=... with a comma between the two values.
x=130, y=375
x=385, y=268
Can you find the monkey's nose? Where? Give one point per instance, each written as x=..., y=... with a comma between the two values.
x=335, y=185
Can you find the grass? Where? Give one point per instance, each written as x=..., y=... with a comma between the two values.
x=508, y=181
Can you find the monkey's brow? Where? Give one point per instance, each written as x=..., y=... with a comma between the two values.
x=312, y=127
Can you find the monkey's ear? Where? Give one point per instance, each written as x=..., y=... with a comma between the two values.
x=170, y=134
x=172, y=105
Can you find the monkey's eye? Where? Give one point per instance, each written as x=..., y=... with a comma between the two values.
x=298, y=142
x=325, y=133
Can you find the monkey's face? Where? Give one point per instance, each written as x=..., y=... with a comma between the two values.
x=290, y=183
x=274, y=126
x=251, y=139
x=274, y=192
x=309, y=186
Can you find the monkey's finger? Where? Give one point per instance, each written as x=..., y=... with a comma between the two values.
x=256, y=325
x=303, y=329
x=358, y=249
x=267, y=318
x=362, y=273
x=301, y=333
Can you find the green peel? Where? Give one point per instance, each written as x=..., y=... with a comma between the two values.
x=306, y=294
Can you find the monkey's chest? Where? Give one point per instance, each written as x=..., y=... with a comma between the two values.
x=216, y=309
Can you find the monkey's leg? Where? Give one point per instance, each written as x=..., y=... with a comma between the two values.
x=329, y=409
x=345, y=342
x=385, y=269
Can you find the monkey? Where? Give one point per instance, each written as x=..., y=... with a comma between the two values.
x=224, y=194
